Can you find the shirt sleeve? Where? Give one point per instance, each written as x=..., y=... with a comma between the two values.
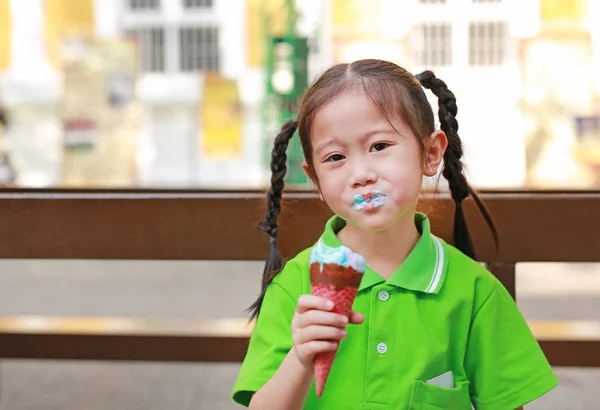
x=504, y=363
x=270, y=342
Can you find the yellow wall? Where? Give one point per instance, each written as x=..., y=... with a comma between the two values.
x=256, y=11
x=254, y=37
x=563, y=9
x=5, y=30
x=221, y=121
x=355, y=18
x=355, y=12
x=63, y=18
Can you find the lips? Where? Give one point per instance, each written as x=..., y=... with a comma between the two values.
x=369, y=200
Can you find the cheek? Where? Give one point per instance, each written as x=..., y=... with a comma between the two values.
x=331, y=190
x=405, y=164
x=331, y=186
x=407, y=177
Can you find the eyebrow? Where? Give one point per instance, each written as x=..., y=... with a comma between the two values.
x=369, y=134
x=324, y=145
x=364, y=137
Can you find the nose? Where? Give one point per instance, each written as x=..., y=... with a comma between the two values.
x=362, y=176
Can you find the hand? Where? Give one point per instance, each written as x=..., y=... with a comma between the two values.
x=315, y=329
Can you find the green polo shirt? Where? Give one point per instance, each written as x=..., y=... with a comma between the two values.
x=439, y=312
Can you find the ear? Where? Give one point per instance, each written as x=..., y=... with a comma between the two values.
x=308, y=173
x=435, y=146
x=307, y=170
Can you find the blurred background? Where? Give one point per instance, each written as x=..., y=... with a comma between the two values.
x=188, y=94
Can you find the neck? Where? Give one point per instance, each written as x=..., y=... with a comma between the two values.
x=384, y=251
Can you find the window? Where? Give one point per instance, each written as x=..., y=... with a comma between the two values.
x=433, y=44
x=198, y=4
x=144, y=4
x=151, y=48
x=181, y=38
x=487, y=43
x=199, y=48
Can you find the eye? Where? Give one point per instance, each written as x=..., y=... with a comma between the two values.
x=334, y=158
x=379, y=146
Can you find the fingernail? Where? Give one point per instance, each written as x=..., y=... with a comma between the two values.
x=344, y=334
x=344, y=320
x=329, y=304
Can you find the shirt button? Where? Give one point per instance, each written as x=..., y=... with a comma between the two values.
x=382, y=348
x=383, y=295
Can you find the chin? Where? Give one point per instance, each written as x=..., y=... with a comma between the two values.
x=372, y=221
x=379, y=219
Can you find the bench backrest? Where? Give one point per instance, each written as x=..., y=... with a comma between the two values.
x=540, y=227
x=187, y=225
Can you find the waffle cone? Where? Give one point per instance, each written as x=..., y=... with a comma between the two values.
x=340, y=285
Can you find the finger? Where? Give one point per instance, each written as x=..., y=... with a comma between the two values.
x=356, y=318
x=308, y=302
x=319, y=317
x=317, y=346
x=316, y=332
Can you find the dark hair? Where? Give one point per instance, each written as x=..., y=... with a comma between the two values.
x=397, y=94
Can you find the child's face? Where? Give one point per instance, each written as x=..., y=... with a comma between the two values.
x=356, y=151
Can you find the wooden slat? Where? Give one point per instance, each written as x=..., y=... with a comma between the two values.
x=218, y=340
x=115, y=225
x=569, y=343
x=507, y=274
x=122, y=339
x=78, y=325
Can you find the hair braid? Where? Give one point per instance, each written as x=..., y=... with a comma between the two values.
x=453, y=166
x=274, y=261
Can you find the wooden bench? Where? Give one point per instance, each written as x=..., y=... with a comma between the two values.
x=168, y=225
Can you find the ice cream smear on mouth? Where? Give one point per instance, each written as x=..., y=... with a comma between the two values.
x=369, y=201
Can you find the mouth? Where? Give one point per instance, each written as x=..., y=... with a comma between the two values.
x=369, y=201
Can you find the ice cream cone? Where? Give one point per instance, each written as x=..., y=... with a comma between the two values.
x=335, y=274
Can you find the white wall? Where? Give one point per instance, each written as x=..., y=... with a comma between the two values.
x=490, y=123
x=594, y=27
x=29, y=77
x=31, y=89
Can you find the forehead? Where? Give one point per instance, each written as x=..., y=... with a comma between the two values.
x=352, y=114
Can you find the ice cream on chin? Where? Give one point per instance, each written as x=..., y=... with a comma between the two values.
x=335, y=274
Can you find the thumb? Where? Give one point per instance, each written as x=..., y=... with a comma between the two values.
x=356, y=318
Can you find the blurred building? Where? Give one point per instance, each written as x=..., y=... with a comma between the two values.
x=178, y=43
x=206, y=85
x=526, y=74
x=561, y=96
x=474, y=46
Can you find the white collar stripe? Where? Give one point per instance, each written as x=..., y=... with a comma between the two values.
x=439, y=266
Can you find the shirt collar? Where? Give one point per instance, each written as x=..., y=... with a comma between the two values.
x=424, y=269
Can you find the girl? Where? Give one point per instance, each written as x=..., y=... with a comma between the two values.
x=432, y=329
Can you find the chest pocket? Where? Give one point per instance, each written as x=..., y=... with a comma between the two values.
x=429, y=397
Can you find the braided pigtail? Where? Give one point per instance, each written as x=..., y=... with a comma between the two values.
x=453, y=166
x=274, y=261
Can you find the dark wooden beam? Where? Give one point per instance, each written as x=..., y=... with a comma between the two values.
x=507, y=274
x=122, y=339
x=162, y=225
x=218, y=340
